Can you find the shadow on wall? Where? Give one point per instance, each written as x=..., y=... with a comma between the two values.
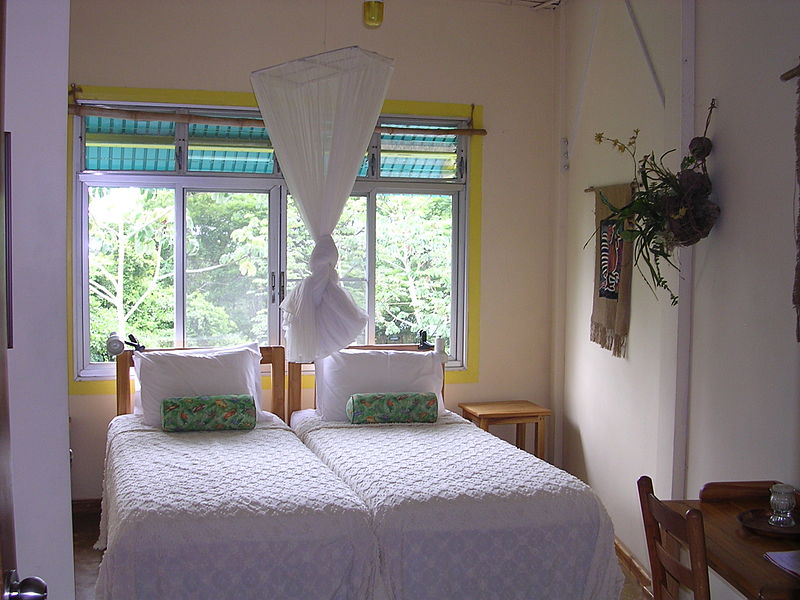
x=573, y=450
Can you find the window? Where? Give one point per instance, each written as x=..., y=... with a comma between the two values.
x=188, y=235
x=413, y=265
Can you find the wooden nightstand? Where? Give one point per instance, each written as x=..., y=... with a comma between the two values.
x=519, y=412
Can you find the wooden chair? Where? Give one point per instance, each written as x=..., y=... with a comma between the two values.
x=667, y=533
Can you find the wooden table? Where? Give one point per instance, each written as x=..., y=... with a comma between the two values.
x=518, y=412
x=737, y=554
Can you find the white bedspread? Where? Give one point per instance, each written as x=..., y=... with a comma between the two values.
x=237, y=514
x=461, y=514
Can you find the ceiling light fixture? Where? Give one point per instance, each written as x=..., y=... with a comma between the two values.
x=373, y=13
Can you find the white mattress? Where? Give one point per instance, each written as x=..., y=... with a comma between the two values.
x=462, y=514
x=237, y=514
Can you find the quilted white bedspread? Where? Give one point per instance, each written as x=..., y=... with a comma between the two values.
x=461, y=514
x=236, y=514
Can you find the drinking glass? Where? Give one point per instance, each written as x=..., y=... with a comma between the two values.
x=782, y=502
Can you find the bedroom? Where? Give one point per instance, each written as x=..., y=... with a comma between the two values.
x=532, y=338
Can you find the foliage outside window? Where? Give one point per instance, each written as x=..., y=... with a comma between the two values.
x=201, y=251
x=414, y=262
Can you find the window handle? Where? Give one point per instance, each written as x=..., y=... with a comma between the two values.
x=179, y=157
x=372, y=165
x=282, y=291
x=272, y=286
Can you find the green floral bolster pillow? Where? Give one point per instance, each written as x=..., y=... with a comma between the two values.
x=407, y=407
x=208, y=413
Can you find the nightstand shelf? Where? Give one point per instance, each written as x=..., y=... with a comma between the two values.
x=516, y=412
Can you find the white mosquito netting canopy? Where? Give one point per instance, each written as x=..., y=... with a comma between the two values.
x=320, y=113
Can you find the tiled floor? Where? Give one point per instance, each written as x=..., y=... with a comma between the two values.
x=87, y=560
x=85, y=529
x=632, y=590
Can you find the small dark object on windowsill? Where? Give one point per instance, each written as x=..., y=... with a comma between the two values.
x=134, y=343
x=423, y=341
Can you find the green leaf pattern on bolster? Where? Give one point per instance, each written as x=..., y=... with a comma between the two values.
x=208, y=413
x=408, y=407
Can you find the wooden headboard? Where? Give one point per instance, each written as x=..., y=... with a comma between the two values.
x=271, y=355
x=295, y=375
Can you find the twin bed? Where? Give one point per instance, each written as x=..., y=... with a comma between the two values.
x=328, y=509
x=230, y=514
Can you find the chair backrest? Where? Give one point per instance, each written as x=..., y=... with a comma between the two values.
x=667, y=533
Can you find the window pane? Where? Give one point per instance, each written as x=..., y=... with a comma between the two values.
x=128, y=145
x=358, y=289
x=413, y=267
x=418, y=155
x=350, y=236
x=227, y=268
x=131, y=266
x=221, y=148
x=364, y=168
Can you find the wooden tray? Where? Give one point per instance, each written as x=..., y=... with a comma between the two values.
x=757, y=521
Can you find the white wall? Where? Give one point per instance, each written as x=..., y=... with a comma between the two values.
x=744, y=412
x=745, y=387
x=611, y=406
x=36, y=81
x=746, y=368
x=453, y=51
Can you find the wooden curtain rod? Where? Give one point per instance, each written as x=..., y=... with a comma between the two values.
x=592, y=188
x=144, y=115
x=791, y=74
x=430, y=130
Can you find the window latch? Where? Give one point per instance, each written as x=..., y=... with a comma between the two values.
x=282, y=291
x=272, y=286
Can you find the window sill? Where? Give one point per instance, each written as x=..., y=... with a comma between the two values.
x=99, y=372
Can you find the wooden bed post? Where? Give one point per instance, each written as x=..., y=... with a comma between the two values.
x=275, y=356
x=295, y=388
x=124, y=362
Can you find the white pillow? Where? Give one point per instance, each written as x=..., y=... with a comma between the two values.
x=349, y=372
x=137, y=385
x=137, y=395
x=213, y=371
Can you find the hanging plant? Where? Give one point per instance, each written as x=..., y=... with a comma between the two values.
x=667, y=209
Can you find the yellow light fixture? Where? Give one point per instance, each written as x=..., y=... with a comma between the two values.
x=373, y=13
